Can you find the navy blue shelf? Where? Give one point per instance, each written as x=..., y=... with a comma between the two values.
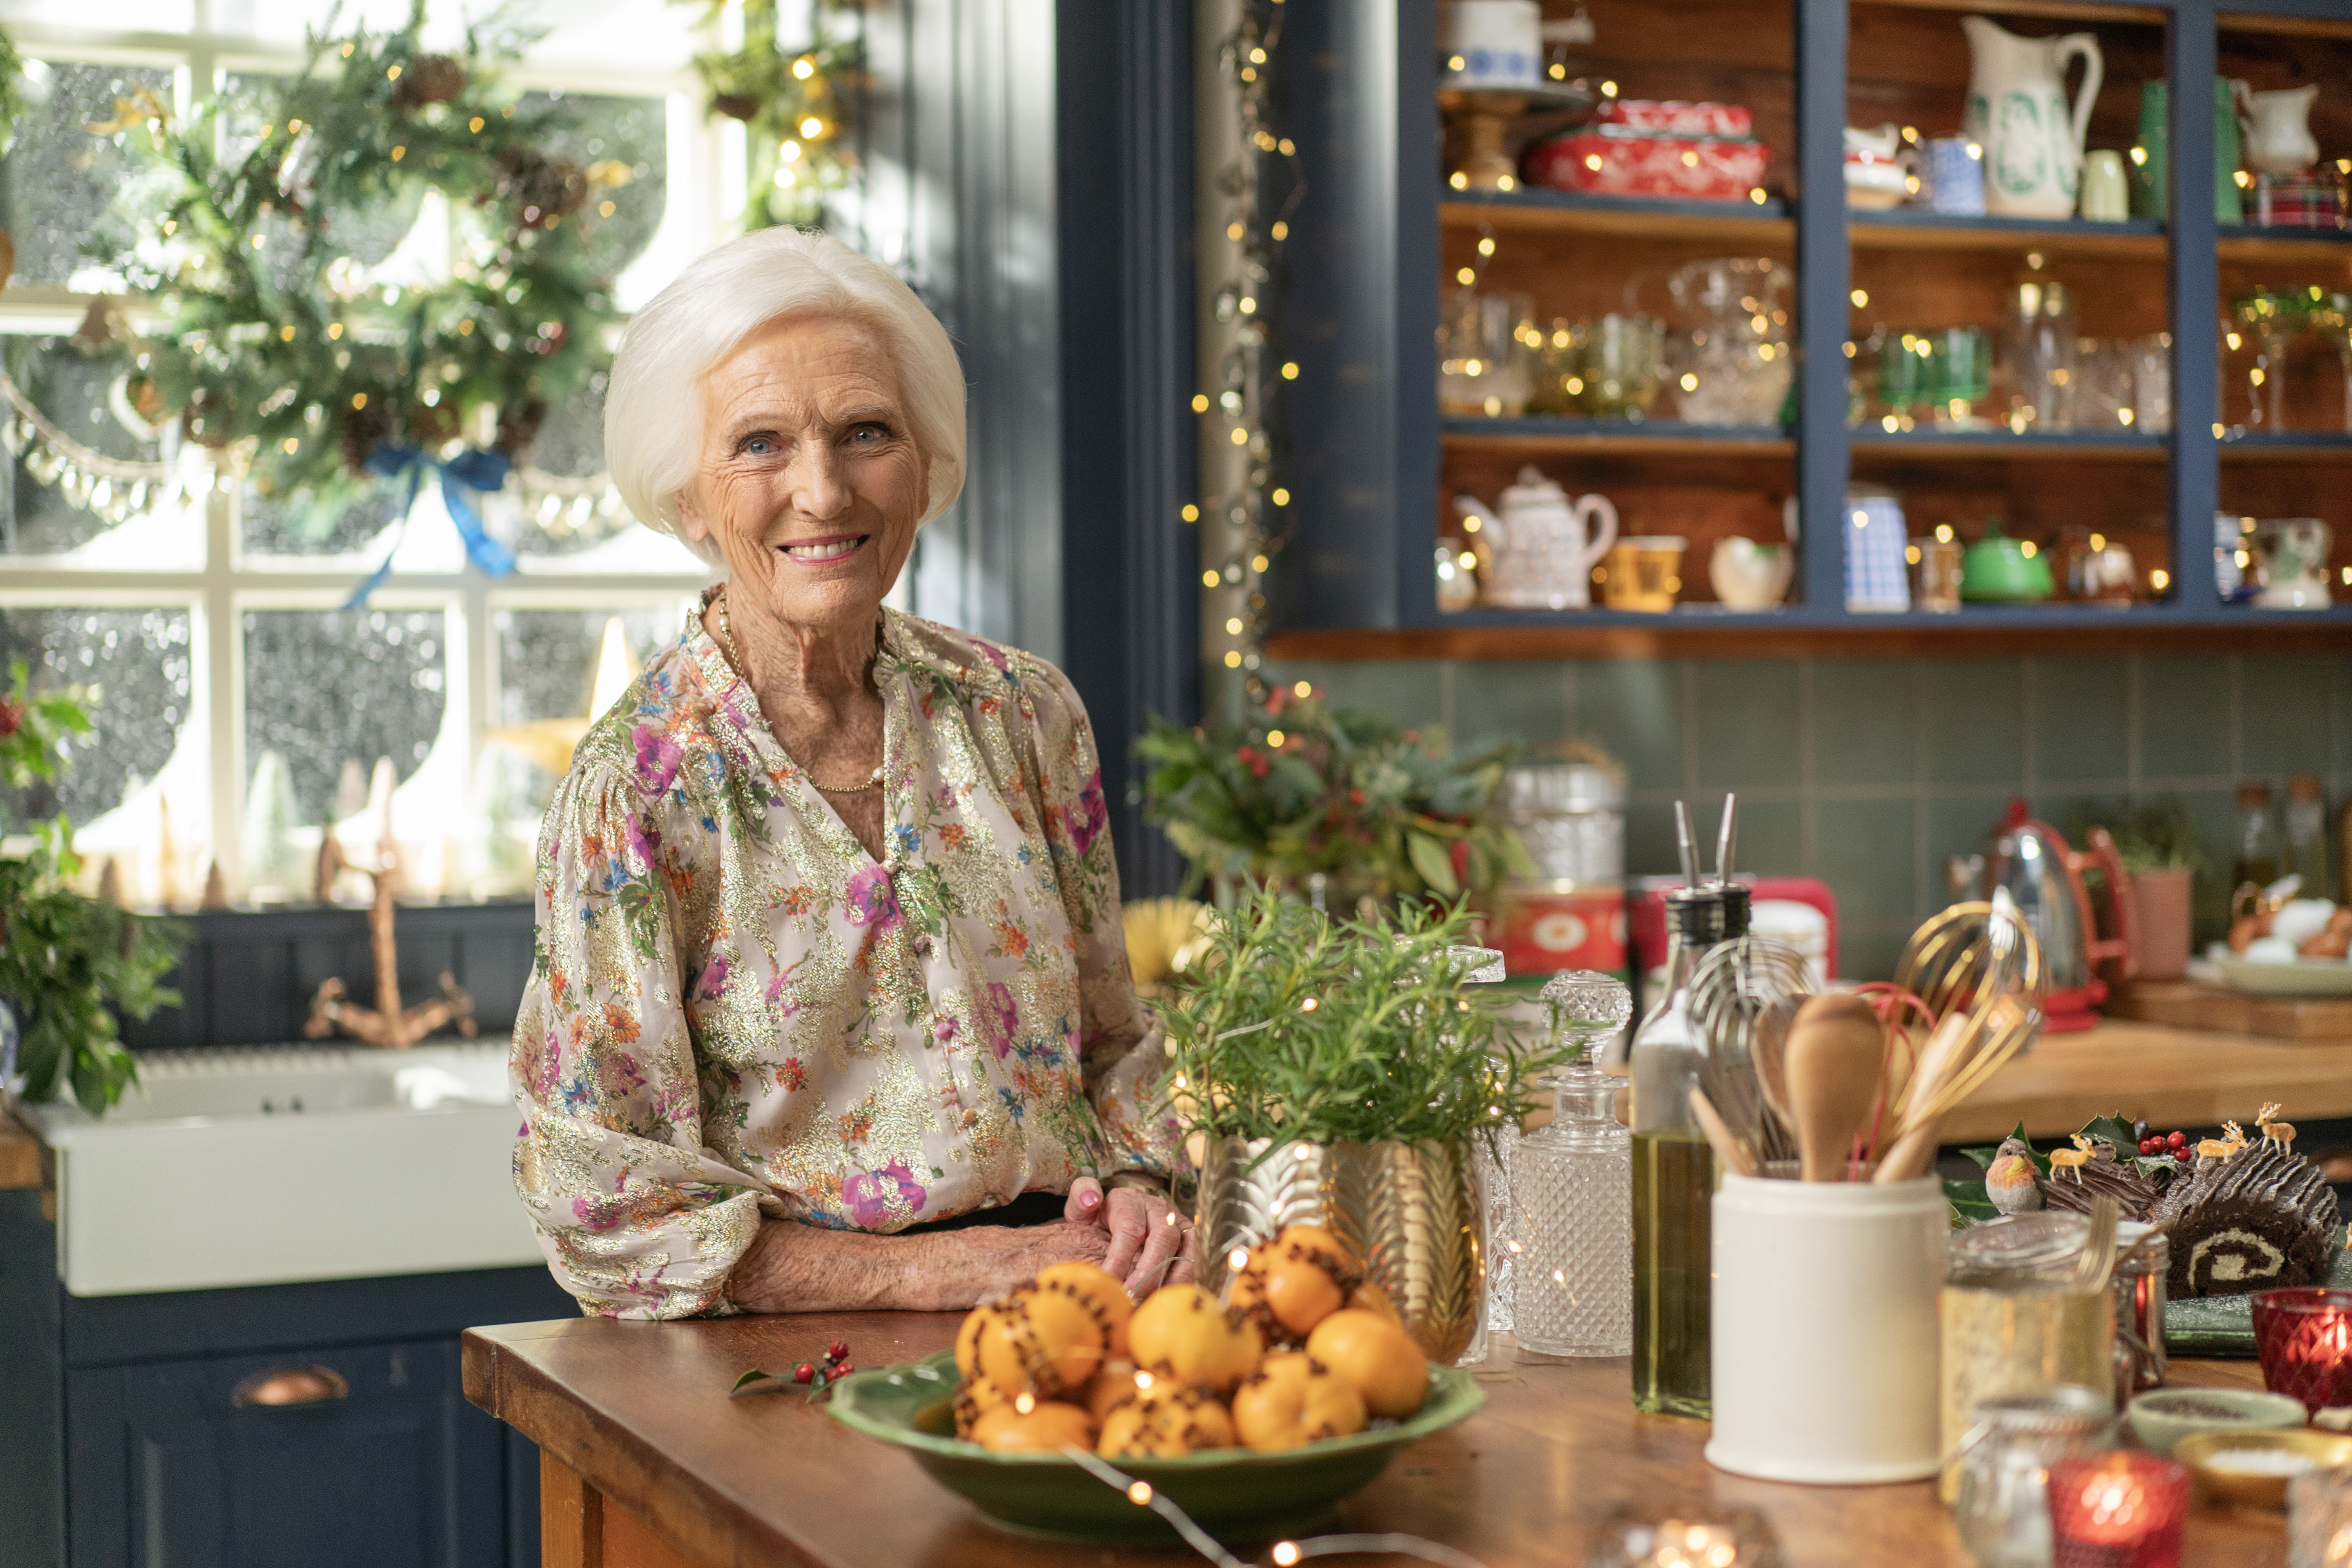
x=2005, y=442
x=1771, y=209
x=2055, y=229
x=2290, y=234
x=1701, y=619
x=1536, y=427
x=2289, y=444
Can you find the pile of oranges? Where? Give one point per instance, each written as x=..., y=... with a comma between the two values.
x=1303, y=1350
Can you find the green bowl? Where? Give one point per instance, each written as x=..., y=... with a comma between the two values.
x=2162, y=1417
x=1231, y=1493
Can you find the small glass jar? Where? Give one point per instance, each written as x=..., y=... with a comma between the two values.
x=2144, y=1261
x=1999, y=1473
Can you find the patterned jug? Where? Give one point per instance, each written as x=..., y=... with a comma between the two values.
x=2017, y=112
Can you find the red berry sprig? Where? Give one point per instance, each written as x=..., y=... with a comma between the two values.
x=2157, y=1145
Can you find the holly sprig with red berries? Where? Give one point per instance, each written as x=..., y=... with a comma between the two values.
x=817, y=1377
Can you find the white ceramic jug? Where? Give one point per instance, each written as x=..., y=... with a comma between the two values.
x=1542, y=554
x=2017, y=112
x=2278, y=129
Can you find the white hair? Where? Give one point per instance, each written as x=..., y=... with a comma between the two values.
x=652, y=408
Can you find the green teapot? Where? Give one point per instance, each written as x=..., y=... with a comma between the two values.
x=1998, y=570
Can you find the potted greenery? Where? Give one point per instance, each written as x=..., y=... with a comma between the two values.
x=1337, y=1072
x=2157, y=842
x=1339, y=805
x=68, y=965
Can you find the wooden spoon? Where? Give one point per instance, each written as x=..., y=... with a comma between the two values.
x=1836, y=1049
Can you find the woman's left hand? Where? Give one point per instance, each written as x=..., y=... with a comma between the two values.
x=1151, y=1244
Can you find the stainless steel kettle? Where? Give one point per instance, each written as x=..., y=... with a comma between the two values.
x=2033, y=862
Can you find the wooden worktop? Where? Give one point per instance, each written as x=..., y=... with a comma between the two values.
x=20, y=1155
x=2169, y=1078
x=646, y=1463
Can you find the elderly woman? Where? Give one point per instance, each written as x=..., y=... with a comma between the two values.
x=829, y=960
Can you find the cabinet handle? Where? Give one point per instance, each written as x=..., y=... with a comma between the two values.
x=290, y=1385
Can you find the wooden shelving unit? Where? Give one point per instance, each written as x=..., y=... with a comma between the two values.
x=1357, y=580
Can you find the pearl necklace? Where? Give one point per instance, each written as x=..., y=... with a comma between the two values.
x=726, y=643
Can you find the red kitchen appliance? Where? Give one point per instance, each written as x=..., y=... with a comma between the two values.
x=2034, y=865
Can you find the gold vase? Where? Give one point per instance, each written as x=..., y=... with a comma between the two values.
x=1410, y=1211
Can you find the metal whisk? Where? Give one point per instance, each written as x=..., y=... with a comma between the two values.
x=1744, y=996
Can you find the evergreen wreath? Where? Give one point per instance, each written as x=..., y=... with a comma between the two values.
x=797, y=109
x=279, y=350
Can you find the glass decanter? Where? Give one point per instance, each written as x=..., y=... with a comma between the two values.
x=1572, y=1186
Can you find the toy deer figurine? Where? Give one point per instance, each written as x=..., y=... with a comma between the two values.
x=386, y=1025
x=2072, y=1159
x=2273, y=1130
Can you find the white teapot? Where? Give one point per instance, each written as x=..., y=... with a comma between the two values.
x=1539, y=553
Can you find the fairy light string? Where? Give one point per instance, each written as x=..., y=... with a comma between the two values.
x=1262, y=188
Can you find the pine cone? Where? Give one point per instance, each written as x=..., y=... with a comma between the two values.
x=429, y=78
x=518, y=427
x=434, y=426
x=203, y=425
x=543, y=189
x=735, y=105
x=363, y=428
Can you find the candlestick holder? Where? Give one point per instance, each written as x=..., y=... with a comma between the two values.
x=2305, y=1338
x=2119, y=1509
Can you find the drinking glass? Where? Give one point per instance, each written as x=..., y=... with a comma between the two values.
x=1731, y=358
x=2038, y=345
x=1905, y=379
x=1960, y=376
x=2151, y=380
x=2319, y=1520
x=1485, y=353
x=1623, y=361
x=1679, y=1535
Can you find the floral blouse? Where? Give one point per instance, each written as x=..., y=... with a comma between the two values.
x=735, y=1011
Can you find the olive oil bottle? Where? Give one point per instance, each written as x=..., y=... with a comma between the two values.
x=1674, y=1169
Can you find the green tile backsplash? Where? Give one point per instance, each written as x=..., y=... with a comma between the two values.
x=1870, y=774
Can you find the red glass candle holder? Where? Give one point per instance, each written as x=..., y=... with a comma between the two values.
x=2120, y=1510
x=2305, y=1338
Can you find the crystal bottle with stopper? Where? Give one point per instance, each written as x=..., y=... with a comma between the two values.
x=1573, y=1185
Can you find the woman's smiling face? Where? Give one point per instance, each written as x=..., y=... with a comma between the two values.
x=809, y=479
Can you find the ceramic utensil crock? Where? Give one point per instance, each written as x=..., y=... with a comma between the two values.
x=1823, y=1360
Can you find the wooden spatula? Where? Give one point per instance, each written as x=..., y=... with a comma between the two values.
x=1836, y=1051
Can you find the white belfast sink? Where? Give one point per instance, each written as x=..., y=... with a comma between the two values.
x=273, y=1164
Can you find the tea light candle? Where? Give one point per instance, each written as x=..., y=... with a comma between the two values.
x=2305, y=1338
x=2117, y=1510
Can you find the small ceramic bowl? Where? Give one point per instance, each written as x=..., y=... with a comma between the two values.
x=2163, y=1416
x=2247, y=1486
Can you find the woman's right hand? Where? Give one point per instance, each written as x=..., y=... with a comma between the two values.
x=795, y=1267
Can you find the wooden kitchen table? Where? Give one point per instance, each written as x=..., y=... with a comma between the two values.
x=646, y=1463
x=2168, y=1078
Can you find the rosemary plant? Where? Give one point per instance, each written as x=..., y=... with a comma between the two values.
x=1299, y=1026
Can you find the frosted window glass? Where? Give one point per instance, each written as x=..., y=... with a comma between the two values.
x=136, y=677
x=547, y=659
x=72, y=391
x=58, y=180
x=324, y=687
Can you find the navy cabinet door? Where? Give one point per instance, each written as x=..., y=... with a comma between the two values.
x=398, y=1473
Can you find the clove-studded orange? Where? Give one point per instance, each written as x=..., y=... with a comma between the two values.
x=1046, y=1427
x=1104, y=1290
x=1040, y=1339
x=1377, y=1356
x=1166, y=1422
x=1292, y=1400
x=1184, y=1332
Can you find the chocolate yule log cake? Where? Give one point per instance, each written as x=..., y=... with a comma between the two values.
x=2260, y=1217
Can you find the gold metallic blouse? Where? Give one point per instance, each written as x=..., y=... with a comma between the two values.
x=735, y=1010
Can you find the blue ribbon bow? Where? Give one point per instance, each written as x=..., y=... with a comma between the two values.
x=474, y=470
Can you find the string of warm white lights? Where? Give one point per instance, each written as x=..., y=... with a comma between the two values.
x=1286, y=1553
x=1261, y=187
